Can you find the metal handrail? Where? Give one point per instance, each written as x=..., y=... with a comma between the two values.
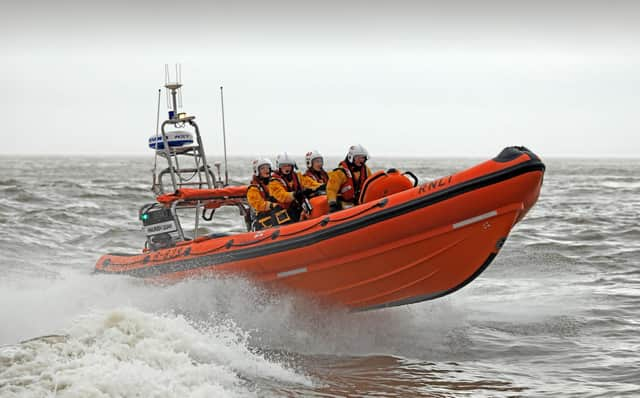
x=183, y=204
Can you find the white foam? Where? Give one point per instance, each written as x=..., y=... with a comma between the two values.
x=234, y=311
x=128, y=352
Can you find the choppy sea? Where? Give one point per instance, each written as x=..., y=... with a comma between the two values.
x=556, y=314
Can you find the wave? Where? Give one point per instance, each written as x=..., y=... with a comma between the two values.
x=127, y=352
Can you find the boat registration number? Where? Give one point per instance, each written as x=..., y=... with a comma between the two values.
x=160, y=228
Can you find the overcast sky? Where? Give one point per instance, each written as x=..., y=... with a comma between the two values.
x=454, y=78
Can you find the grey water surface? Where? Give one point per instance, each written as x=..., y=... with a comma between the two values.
x=556, y=314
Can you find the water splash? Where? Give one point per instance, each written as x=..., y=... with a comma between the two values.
x=127, y=352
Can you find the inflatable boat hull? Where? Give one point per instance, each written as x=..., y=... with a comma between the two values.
x=415, y=245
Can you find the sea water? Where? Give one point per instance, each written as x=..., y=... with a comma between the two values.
x=556, y=314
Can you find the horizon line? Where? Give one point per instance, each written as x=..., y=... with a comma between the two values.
x=389, y=156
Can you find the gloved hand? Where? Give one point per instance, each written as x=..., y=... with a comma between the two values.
x=333, y=206
x=299, y=196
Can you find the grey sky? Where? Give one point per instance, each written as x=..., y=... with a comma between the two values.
x=402, y=78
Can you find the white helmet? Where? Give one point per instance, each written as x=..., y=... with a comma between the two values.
x=283, y=159
x=357, y=150
x=259, y=163
x=311, y=156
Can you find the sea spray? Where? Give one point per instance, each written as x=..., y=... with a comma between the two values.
x=128, y=352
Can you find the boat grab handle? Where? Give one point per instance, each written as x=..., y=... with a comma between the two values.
x=204, y=214
x=413, y=177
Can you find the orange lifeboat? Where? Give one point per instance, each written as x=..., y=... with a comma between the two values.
x=406, y=242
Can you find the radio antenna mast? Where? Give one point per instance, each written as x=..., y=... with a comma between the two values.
x=224, y=141
x=154, y=187
x=174, y=90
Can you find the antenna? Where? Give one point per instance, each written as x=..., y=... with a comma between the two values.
x=179, y=81
x=154, y=186
x=174, y=90
x=166, y=84
x=224, y=141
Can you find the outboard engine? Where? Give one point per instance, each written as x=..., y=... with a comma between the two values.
x=158, y=223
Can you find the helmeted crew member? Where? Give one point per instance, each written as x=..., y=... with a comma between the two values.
x=258, y=195
x=315, y=170
x=289, y=187
x=346, y=181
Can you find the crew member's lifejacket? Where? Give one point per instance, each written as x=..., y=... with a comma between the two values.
x=293, y=208
x=350, y=190
x=319, y=176
x=262, y=187
x=269, y=218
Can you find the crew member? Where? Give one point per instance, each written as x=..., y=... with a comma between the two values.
x=315, y=163
x=262, y=204
x=290, y=188
x=346, y=181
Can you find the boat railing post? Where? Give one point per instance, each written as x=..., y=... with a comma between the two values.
x=160, y=177
x=195, y=230
x=202, y=154
x=177, y=219
x=167, y=152
x=197, y=164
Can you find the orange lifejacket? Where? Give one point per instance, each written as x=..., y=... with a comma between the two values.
x=272, y=217
x=295, y=187
x=350, y=190
x=262, y=187
x=319, y=176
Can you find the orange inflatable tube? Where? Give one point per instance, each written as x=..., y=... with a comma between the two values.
x=419, y=243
